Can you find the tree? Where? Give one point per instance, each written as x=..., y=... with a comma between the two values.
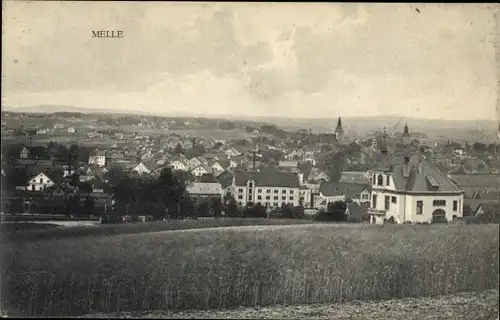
x=178, y=149
x=335, y=212
x=216, y=206
x=479, y=147
x=232, y=209
x=203, y=209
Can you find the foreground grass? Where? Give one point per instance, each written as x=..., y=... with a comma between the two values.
x=214, y=269
x=7, y=234
x=464, y=306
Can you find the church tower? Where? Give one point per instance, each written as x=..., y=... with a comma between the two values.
x=406, y=135
x=339, y=132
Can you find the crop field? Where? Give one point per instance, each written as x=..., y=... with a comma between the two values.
x=223, y=268
x=130, y=228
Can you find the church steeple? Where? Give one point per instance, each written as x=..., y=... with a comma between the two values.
x=339, y=132
x=406, y=135
x=339, y=125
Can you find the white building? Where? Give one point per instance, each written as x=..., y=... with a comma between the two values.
x=270, y=188
x=25, y=153
x=39, y=182
x=205, y=190
x=411, y=189
x=179, y=165
x=200, y=170
x=141, y=169
x=71, y=130
x=99, y=160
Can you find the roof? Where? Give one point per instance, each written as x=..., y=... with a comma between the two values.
x=288, y=163
x=418, y=175
x=268, y=178
x=350, y=190
x=353, y=176
x=214, y=188
x=225, y=179
x=479, y=181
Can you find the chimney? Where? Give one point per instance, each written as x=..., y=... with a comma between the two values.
x=254, y=160
x=406, y=167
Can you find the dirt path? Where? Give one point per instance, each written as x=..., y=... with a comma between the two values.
x=464, y=306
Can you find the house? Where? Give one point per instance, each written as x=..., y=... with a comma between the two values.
x=305, y=197
x=310, y=160
x=205, y=190
x=201, y=170
x=329, y=192
x=226, y=181
x=232, y=152
x=41, y=131
x=141, y=169
x=268, y=187
x=349, y=192
x=219, y=166
x=39, y=182
x=71, y=130
x=98, y=159
x=409, y=188
x=296, y=154
x=194, y=162
x=25, y=153
x=488, y=208
x=180, y=165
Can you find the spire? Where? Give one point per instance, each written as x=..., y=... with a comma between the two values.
x=339, y=125
x=406, y=129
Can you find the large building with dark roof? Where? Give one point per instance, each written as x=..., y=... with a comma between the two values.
x=409, y=188
x=268, y=187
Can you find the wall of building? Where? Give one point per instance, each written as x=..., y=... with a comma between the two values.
x=429, y=208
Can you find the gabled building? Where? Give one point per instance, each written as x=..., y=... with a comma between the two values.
x=25, y=153
x=39, y=182
x=201, y=170
x=205, y=190
x=409, y=188
x=141, y=169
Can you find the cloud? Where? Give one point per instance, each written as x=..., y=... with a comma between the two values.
x=285, y=58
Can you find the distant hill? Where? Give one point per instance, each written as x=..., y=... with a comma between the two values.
x=434, y=128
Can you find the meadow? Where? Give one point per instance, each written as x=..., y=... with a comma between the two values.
x=249, y=266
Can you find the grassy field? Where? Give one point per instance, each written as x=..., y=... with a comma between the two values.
x=231, y=267
x=133, y=228
x=463, y=306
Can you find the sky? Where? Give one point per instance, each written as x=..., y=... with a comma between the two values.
x=307, y=60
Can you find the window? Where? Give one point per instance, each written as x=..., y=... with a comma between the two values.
x=259, y=190
x=33, y=187
x=420, y=207
x=275, y=197
x=250, y=184
x=393, y=199
x=268, y=191
x=259, y=197
x=374, y=201
x=240, y=190
x=301, y=198
x=439, y=203
x=387, y=202
x=283, y=198
x=374, y=178
x=240, y=197
x=283, y=191
x=291, y=191
x=275, y=204
x=380, y=180
x=388, y=180
x=41, y=180
x=276, y=190
x=291, y=198
x=455, y=205
x=250, y=198
x=268, y=197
